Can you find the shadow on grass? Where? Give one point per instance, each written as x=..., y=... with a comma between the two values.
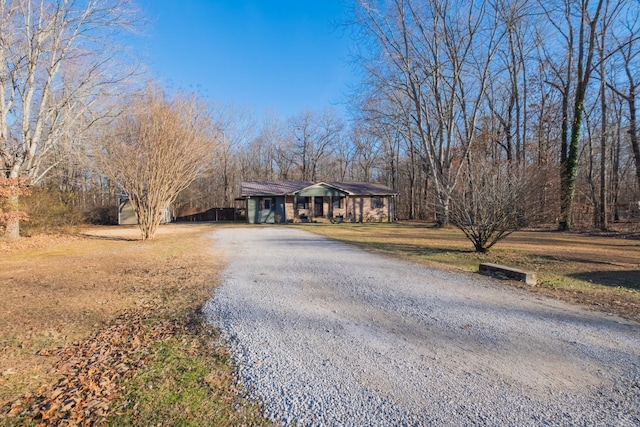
x=112, y=238
x=569, y=258
x=626, y=279
x=420, y=250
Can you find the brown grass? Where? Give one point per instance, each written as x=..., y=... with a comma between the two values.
x=600, y=272
x=57, y=289
x=60, y=289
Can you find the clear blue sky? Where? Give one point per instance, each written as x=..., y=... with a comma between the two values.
x=285, y=55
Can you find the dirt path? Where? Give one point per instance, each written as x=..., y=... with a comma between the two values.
x=327, y=334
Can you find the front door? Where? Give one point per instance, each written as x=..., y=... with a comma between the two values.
x=318, y=207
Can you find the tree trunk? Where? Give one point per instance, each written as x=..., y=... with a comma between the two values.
x=615, y=175
x=442, y=209
x=587, y=37
x=569, y=166
x=12, y=228
x=603, y=220
x=569, y=170
x=633, y=132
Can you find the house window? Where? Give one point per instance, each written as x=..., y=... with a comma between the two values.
x=377, y=202
x=303, y=202
x=266, y=204
x=338, y=202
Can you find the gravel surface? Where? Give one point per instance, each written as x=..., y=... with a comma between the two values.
x=326, y=334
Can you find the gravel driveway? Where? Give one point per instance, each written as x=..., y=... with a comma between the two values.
x=325, y=334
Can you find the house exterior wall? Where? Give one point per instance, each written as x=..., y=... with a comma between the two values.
x=289, y=208
x=266, y=210
x=280, y=211
x=354, y=209
x=337, y=212
x=362, y=209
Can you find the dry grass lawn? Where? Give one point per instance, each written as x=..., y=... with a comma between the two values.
x=602, y=272
x=57, y=290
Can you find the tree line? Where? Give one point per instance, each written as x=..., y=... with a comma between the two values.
x=532, y=88
x=489, y=115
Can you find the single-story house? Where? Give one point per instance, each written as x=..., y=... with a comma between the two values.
x=303, y=201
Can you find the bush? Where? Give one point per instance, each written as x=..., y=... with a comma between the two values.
x=101, y=215
x=48, y=209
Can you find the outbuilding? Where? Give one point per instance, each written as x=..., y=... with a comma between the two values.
x=127, y=215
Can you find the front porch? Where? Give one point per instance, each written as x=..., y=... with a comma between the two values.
x=316, y=203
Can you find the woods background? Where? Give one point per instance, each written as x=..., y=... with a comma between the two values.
x=536, y=96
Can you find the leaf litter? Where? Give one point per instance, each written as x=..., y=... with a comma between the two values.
x=91, y=372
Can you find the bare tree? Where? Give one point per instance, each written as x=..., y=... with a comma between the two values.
x=57, y=61
x=509, y=86
x=157, y=150
x=315, y=136
x=491, y=202
x=236, y=127
x=278, y=145
x=385, y=112
x=579, y=24
x=367, y=153
x=602, y=218
x=629, y=56
x=438, y=55
x=343, y=160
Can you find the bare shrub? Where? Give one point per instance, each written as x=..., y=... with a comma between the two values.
x=49, y=208
x=492, y=201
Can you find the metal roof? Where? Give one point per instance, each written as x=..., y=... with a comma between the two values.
x=271, y=188
x=364, y=188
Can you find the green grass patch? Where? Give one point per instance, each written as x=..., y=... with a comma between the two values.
x=189, y=383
